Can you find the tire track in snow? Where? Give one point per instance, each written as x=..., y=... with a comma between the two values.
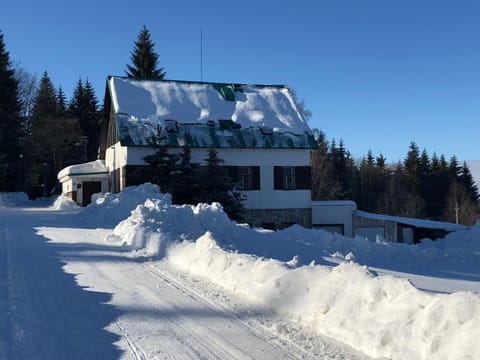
x=166, y=313
x=137, y=352
x=6, y=336
x=295, y=341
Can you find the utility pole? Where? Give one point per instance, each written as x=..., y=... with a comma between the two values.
x=201, y=55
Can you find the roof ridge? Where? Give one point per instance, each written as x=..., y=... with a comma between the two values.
x=197, y=82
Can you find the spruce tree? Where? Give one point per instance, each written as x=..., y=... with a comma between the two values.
x=184, y=183
x=84, y=107
x=53, y=135
x=324, y=184
x=217, y=186
x=144, y=59
x=10, y=123
x=468, y=182
x=411, y=166
x=45, y=102
x=61, y=108
x=161, y=165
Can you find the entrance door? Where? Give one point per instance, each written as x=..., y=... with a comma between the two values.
x=90, y=188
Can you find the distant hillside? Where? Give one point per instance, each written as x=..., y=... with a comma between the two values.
x=474, y=166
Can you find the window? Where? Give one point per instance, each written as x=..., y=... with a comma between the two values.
x=248, y=178
x=292, y=178
x=244, y=178
x=288, y=174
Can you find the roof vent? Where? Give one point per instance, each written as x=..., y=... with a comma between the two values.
x=237, y=88
x=225, y=124
x=171, y=126
x=226, y=90
x=266, y=130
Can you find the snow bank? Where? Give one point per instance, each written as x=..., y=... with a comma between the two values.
x=64, y=203
x=109, y=209
x=11, y=199
x=382, y=316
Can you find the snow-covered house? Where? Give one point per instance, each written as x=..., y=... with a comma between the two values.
x=256, y=129
x=81, y=181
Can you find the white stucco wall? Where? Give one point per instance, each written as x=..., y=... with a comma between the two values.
x=116, y=157
x=267, y=198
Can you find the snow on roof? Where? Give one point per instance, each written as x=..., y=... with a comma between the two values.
x=428, y=224
x=142, y=106
x=89, y=168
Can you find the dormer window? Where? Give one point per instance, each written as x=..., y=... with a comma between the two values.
x=266, y=130
x=171, y=126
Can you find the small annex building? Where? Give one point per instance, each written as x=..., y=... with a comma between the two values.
x=257, y=130
x=400, y=229
x=81, y=181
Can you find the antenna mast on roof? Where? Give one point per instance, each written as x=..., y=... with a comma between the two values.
x=201, y=55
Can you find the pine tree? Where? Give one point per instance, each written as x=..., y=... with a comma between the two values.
x=217, y=186
x=10, y=123
x=184, y=183
x=324, y=184
x=61, y=108
x=468, y=182
x=45, y=102
x=144, y=59
x=367, y=193
x=161, y=165
x=84, y=107
x=437, y=188
x=411, y=166
x=53, y=135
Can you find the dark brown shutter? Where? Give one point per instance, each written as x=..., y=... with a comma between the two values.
x=303, y=178
x=277, y=177
x=255, y=177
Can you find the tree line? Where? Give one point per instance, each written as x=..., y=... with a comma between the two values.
x=421, y=186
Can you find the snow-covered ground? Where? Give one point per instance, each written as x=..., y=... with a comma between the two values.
x=186, y=282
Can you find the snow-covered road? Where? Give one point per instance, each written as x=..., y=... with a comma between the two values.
x=67, y=294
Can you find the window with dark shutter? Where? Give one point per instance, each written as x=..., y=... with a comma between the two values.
x=248, y=178
x=284, y=178
x=244, y=178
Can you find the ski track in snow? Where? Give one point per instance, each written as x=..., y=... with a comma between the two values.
x=77, y=297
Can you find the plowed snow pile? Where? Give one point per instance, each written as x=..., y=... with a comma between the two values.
x=380, y=315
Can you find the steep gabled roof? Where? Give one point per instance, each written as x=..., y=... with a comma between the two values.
x=207, y=114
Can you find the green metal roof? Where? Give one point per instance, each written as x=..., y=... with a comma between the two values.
x=198, y=135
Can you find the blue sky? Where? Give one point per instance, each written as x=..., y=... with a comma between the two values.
x=376, y=73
